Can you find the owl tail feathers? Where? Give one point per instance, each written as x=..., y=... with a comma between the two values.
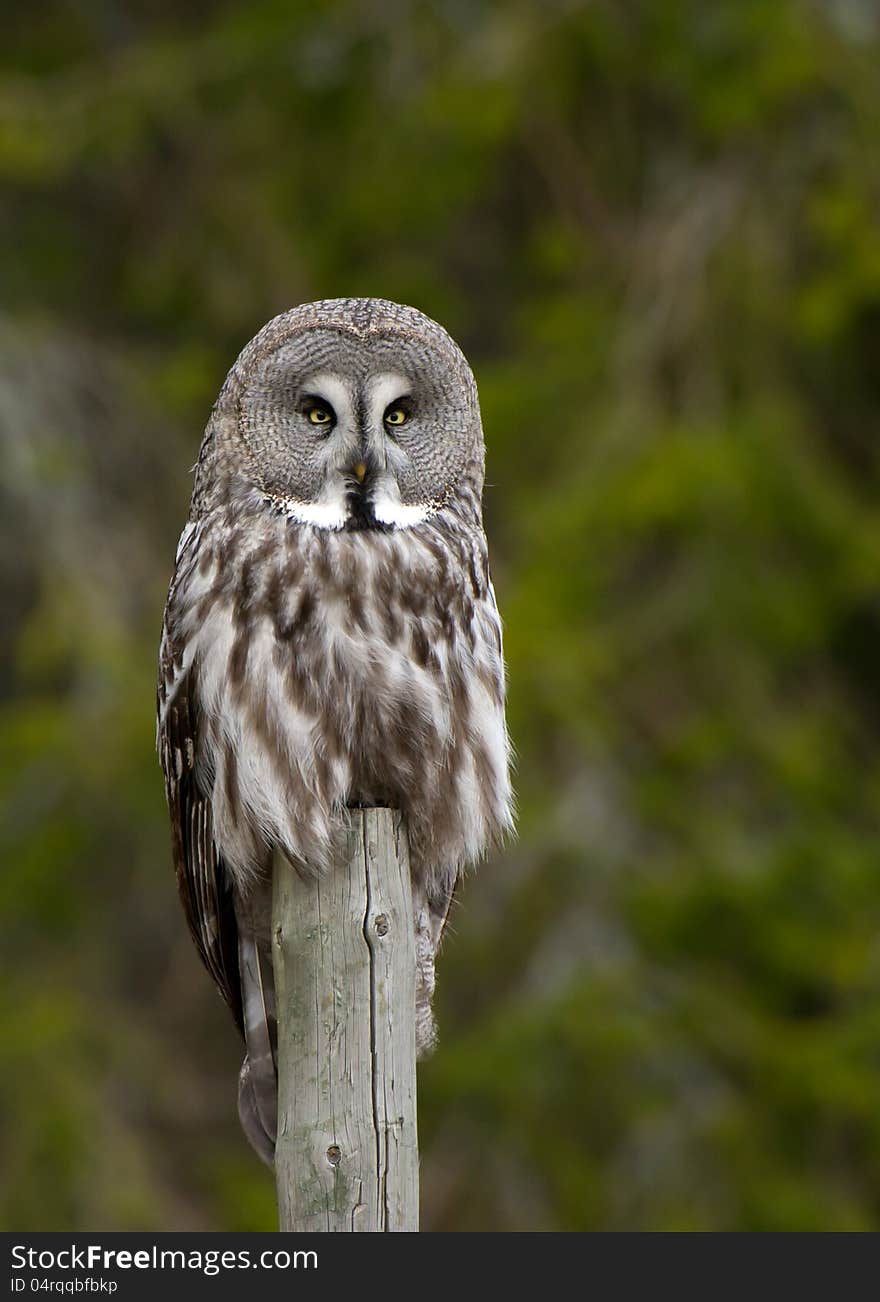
x=261, y=1139
x=257, y=1080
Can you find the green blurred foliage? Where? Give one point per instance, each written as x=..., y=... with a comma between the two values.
x=653, y=226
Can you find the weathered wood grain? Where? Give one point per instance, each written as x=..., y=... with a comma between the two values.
x=346, y=1157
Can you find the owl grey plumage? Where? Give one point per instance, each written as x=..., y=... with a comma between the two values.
x=331, y=639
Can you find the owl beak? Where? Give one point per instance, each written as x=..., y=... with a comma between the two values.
x=360, y=471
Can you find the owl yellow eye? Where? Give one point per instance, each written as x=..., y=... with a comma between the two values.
x=320, y=415
x=396, y=416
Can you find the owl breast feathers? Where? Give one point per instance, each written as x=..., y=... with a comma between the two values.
x=331, y=640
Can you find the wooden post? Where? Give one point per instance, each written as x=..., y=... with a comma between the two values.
x=346, y=1157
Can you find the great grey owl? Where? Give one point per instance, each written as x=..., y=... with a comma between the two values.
x=331, y=639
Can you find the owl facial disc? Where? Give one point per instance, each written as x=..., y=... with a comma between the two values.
x=359, y=420
x=347, y=415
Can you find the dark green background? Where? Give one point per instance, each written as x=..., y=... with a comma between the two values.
x=655, y=229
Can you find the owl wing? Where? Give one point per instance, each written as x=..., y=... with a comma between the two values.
x=202, y=881
x=230, y=933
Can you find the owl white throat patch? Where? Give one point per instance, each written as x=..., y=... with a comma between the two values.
x=345, y=510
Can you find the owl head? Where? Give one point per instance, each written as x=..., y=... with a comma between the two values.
x=346, y=414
